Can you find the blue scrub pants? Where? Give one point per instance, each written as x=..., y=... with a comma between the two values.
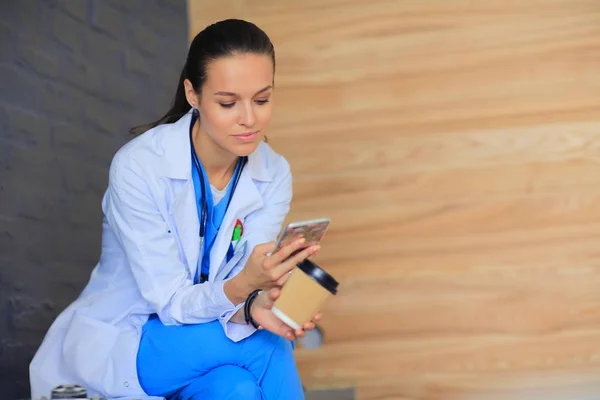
x=199, y=362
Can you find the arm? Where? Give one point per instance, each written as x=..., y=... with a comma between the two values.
x=152, y=251
x=261, y=226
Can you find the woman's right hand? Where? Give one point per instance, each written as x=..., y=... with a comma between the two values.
x=263, y=271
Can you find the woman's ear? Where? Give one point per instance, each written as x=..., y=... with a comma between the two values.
x=190, y=94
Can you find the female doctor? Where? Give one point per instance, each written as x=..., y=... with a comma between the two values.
x=188, y=270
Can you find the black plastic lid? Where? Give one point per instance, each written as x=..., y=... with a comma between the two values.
x=319, y=275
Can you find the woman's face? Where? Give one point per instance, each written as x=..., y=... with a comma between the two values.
x=235, y=105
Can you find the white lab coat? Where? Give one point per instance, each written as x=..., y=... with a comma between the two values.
x=150, y=250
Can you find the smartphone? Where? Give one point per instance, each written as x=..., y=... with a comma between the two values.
x=312, y=231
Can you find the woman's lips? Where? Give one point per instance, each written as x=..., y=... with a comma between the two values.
x=246, y=137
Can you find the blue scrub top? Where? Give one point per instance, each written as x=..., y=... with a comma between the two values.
x=216, y=214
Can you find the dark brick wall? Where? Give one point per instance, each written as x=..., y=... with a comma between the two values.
x=75, y=75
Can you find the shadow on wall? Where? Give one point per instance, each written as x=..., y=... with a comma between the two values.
x=76, y=75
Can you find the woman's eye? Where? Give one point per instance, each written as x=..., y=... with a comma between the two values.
x=229, y=105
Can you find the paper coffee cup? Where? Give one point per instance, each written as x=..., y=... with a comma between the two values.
x=304, y=294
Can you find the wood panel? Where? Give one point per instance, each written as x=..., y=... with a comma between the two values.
x=456, y=146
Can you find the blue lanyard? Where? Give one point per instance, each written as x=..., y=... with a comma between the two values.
x=207, y=208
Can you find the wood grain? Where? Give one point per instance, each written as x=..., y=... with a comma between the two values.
x=456, y=146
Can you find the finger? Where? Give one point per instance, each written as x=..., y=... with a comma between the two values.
x=291, y=263
x=268, y=321
x=284, y=253
x=313, y=255
x=281, y=281
x=286, y=332
x=272, y=295
x=309, y=326
x=264, y=248
x=300, y=333
x=304, y=254
x=318, y=317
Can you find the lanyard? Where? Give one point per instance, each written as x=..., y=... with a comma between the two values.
x=205, y=213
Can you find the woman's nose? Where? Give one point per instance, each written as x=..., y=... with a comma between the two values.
x=247, y=117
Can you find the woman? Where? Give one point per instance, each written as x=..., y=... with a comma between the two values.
x=187, y=271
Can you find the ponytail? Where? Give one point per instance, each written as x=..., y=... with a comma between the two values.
x=179, y=108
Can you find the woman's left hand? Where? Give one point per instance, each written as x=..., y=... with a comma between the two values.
x=262, y=315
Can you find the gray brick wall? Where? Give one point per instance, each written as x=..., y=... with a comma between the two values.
x=75, y=75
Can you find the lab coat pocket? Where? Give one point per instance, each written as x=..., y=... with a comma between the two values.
x=230, y=265
x=87, y=347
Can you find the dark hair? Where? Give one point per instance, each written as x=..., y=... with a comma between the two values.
x=221, y=39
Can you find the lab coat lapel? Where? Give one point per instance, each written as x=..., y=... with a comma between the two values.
x=185, y=215
x=177, y=167
x=246, y=199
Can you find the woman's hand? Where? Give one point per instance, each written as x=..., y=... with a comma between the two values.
x=264, y=271
x=262, y=315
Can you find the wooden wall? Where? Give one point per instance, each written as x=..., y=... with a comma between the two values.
x=456, y=146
